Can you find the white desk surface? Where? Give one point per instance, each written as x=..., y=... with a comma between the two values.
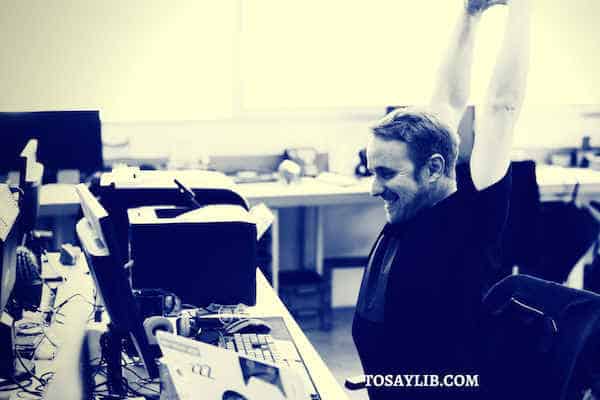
x=554, y=182
x=558, y=182
x=268, y=304
x=306, y=192
x=58, y=199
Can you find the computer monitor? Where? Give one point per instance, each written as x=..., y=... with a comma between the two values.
x=30, y=182
x=67, y=140
x=9, y=240
x=96, y=234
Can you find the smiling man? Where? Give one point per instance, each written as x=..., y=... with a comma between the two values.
x=418, y=307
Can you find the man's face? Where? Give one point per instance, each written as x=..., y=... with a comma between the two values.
x=395, y=182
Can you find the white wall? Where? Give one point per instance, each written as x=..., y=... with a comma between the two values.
x=339, y=134
x=205, y=60
x=134, y=60
x=557, y=125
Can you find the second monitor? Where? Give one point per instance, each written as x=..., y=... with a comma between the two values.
x=96, y=234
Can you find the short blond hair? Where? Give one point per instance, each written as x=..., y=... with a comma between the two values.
x=424, y=134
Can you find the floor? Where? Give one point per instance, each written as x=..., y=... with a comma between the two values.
x=337, y=349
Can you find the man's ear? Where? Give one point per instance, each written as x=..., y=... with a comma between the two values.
x=435, y=167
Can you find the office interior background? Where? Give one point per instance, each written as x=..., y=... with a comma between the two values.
x=192, y=79
x=234, y=77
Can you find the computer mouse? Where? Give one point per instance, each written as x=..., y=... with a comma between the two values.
x=208, y=336
x=248, y=325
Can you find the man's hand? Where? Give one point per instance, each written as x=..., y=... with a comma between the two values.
x=478, y=6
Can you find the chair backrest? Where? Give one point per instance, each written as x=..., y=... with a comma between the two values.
x=519, y=241
x=539, y=338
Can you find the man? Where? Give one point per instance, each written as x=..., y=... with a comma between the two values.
x=419, y=300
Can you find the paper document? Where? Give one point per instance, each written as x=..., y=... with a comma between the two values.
x=198, y=370
x=263, y=218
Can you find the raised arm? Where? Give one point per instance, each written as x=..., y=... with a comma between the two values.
x=451, y=91
x=496, y=119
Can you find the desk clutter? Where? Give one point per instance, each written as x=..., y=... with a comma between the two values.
x=189, y=252
x=194, y=367
x=261, y=346
x=127, y=352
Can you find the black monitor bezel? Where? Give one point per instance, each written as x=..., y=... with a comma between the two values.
x=9, y=241
x=96, y=234
x=66, y=140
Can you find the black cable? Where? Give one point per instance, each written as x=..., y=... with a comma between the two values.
x=4, y=386
x=100, y=384
x=39, y=388
x=64, y=302
x=29, y=372
x=142, y=382
x=44, y=376
x=136, y=392
x=18, y=356
x=25, y=388
x=126, y=366
x=48, y=339
x=145, y=387
x=21, y=395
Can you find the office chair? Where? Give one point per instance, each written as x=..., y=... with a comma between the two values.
x=541, y=239
x=519, y=246
x=519, y=242
x=540, y=340
x=567, y=231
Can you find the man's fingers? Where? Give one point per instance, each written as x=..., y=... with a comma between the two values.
x=478, y=6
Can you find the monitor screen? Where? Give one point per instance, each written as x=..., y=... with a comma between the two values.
x=9, y=214
x=66, y=140
x=96, y=234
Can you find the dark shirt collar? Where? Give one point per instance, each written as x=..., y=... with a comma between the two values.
x=423, y=215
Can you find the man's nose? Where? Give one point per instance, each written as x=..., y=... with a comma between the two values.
x=377, y=188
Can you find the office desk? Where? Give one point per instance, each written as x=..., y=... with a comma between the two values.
x=59, y=205
x=312, y=194
x=268, y=304
x=556, y=183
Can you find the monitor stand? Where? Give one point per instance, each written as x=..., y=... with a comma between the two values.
x=111, y=351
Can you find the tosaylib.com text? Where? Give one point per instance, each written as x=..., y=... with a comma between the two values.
x=424, y=380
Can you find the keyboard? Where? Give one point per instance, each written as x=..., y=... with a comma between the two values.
x=260, y=347
x=266, y=348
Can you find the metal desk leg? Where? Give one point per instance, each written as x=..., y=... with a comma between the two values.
x=319, y=250
x=275, y=250
x=313, y=249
